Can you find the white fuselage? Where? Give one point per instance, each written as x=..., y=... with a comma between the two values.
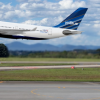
x=32, y=31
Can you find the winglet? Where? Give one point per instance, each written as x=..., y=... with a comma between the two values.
x=34, y=29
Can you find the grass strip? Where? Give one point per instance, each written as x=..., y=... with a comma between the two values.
x=34, y=64
x=87, y=75
x=50, y=59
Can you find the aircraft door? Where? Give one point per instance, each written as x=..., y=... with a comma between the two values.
x=50, y=31
x=16, y=27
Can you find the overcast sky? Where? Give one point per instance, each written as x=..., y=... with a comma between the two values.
x=50, y=13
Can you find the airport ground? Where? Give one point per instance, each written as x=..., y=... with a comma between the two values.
x=49, y=59
x=52, y=74
x=56, y=82
x=49, y=69
x=22, y=90
x=15, y=61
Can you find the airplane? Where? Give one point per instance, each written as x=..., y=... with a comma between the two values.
x=34, y=32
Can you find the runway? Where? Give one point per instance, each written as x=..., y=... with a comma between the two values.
x=49, y=90
x=47, y=67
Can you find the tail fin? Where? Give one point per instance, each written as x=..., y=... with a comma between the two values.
x=74, y=20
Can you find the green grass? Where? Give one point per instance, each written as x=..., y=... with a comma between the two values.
x=33, y=64
x=49, y=59
x=88, y=74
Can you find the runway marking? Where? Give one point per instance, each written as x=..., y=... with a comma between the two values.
x=44, y=95
x=64, y=87
x=86, y=99
x=92, y=83
x=92, y=99
x=97, y=89
x=59, y=87
x=81, y=99
x=60, y=98
x=33, y=92
x=68, y=87
x=95, y=98
x=1, y=81
x=51, y=96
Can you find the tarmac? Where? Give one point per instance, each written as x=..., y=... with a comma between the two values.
x=39, y=90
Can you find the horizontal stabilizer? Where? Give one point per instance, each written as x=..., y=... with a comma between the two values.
x=69, y=32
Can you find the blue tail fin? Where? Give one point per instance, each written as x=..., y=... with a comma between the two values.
x=74, y=20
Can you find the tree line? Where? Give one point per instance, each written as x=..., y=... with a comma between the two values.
x=4, y=52
x=57, y=54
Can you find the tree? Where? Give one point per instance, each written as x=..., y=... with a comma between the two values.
x=4, y=51
x=98, y=51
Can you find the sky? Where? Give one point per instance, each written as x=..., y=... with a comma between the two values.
x=50, y=13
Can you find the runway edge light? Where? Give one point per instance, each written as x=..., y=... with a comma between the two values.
x=72, y=67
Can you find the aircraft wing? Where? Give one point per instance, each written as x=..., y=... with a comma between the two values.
x=14, y=31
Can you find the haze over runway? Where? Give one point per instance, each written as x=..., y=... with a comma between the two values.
x=49, y=90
